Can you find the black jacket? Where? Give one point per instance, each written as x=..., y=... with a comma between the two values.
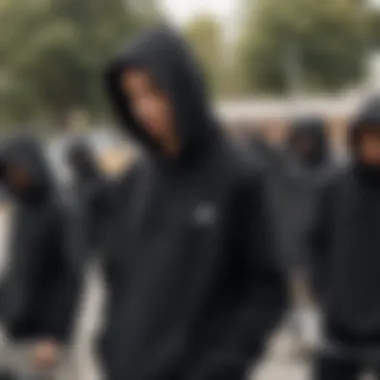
x=193, y=290
x=297, y=189
x=267, y=155
x=91, y=198
x=313, y=130
x=37, y=293
x=345, y=244
x=275, y=163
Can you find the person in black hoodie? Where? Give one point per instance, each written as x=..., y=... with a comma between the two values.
x=308, y=141
x=306, y=163
x=309, y=163
x=264, y=152
x=194, y=290
x=345, y=245
x=91, y=192
x=38, y=290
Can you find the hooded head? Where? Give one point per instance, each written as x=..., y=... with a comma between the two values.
x=24, y=170
x=364, y=136
x=308, y=141
x=81, y=159
x=158, y=93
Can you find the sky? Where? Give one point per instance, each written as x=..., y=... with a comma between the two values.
x=181, y=11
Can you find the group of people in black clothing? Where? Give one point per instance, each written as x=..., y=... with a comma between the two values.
x=326, y=216
x=197, y=238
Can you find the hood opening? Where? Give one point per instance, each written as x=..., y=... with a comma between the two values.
x=122, y=106
x=312, y=132
x=168, y=59
x=26, y=153
x=367, y=120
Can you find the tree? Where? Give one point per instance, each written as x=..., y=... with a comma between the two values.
x=204, y=34
x=55, y=52
x=313, y=45
x=374, y=27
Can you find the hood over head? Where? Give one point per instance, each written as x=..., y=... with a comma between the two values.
x=313, y=130
x=170, y=62
x=27, y=153
x=367, y=119
x=81, y=159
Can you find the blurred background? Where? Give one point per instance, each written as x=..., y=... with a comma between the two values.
x=266, y=61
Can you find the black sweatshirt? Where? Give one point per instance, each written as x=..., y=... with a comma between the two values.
x=193, y=287
x=304, y=174
x=346, y=244
x=38, y=292
x=91, y=198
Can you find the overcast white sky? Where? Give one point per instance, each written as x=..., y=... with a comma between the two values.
x=181, y=11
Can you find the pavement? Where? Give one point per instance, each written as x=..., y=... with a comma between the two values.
x=281, y=362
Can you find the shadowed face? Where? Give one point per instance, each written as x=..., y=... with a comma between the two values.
x=150, y=106
x=17, y=178
x=369, y=148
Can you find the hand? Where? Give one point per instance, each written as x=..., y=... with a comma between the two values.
x=46, y=354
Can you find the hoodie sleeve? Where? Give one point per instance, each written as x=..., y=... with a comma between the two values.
x=63, y=283
x=261, y=294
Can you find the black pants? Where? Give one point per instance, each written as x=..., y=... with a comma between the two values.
x=333, y=368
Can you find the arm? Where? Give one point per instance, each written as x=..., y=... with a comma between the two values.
x=40, y=288
x=14, y=295
x=63, y=280
x=261, y=293
x=57, y=301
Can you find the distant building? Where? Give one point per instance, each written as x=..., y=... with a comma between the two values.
x=274, y=115
x=282, y=108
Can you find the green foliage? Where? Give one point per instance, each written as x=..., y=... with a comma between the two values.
x=374, y=28
x=205, y=35
x=53, y=52
x=317, y=45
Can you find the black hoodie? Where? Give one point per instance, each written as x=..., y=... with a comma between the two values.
x=279, y=181
x=346, y=244
x=37, y=293
x=91, y=192
x=265, y=153
x=313, y=130
x=193, y=289
x=295, y=197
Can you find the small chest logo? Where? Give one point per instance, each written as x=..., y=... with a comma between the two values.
x=205, y=214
